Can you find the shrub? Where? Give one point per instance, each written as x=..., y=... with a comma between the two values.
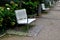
x=31, y=7
x=7, y=15
x=10, y=19
x=2, y=28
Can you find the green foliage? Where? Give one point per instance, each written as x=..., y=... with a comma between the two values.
x=1, y=15
x=1, y=20
x=7, y=15
x=10, y=19
x=31, y=7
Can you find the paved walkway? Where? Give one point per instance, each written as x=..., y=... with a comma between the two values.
x=51, y=30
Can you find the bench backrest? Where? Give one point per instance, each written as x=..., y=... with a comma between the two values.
x=21, y=14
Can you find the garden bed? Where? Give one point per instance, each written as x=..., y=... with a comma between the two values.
x=32, y=31
x=20, y=30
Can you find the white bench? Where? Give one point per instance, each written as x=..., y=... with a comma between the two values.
x=22, y=18
x=43, y=7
